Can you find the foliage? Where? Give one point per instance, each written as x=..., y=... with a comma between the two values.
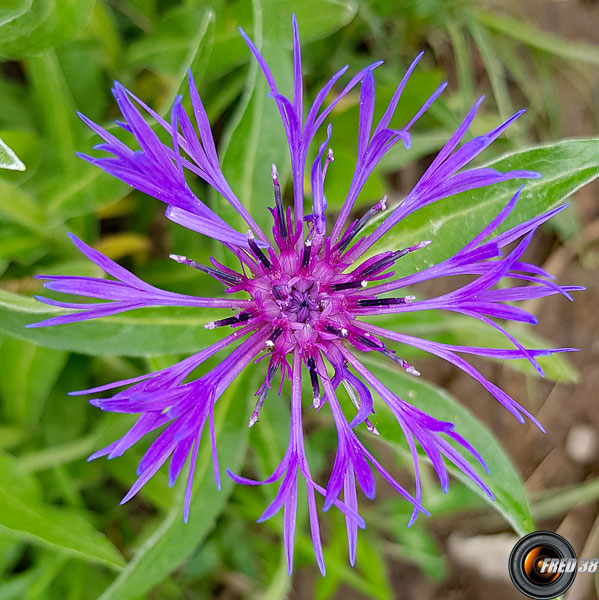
x=62, y=532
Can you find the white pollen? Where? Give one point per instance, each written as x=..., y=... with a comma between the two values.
x=316, y=402
x=384, y=203
x=177, y=258
x=412, y=371
x=409, y=298
x=364, y=283
x=253, y=420
x=270, y=344
x=210, y=325
x=250, y=234
x=372, y=429
x=344, y=332
x=308, y=242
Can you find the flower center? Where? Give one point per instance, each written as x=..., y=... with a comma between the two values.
x=303, y=304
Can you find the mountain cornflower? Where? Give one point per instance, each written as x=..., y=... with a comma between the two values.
x=306, y=289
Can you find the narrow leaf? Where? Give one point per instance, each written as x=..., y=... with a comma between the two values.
x=505, y=483
x=8, y=159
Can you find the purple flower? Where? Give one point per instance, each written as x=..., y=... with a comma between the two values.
x=305, y=292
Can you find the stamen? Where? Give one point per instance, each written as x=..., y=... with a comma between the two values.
x=383, y=263
x=270, y=342
x=371, y=428
x=279, y=203
x=386, y=301
x=339, y=332
x=225, y=277
x=314, y=379
x=257, y=408
x=379, y=265
x=349, y=285
x=400, y=361
x=276, y=292
x=374, y=344
x=307, y=252
x=240, y=318
x=272, y=369
x=258, y=252
x=399, y=253
x=360, y=223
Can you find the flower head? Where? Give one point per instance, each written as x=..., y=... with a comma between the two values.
x=305, y=292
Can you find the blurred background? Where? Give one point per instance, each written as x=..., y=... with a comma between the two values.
x=64, y=534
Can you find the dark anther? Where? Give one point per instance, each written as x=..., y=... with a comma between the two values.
x=336, y=330
x=400, y=361
x=384, y=263
x=226, y=277
x=368, y=342
x=379, y=265
x=259, y=254
x=385, y=301
x=279, y=203
x=306, y=254
x=399, y=253
x=221, y=275
x=276, y=292
x=240, y=318
x=271, y=371
x=348, y=285
x=313, y=375
x=360, y=223
x=390, y=354
x=270, y=342
x=263, y=391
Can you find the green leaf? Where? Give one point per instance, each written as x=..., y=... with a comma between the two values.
x=197, y=55
x=28, y=373
x=13, y=9
x=17, y=206
x=56, y=108
x=58, y=455
x=370, y=577
x=26, y=145
x=255, y=138
x=26, y=517
x=566, y=166
x=534, y=38
x=316, y=19
x=8, y=159
x=510, y=498
x=174, y=541
x=495, y=69
x=86, y=190
x=457, y=329
x=556, y=501
x=178, y=40
x=463, y=62
x=416, y=546
x=145, y=332
x=44, y=24
x=280, y=584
